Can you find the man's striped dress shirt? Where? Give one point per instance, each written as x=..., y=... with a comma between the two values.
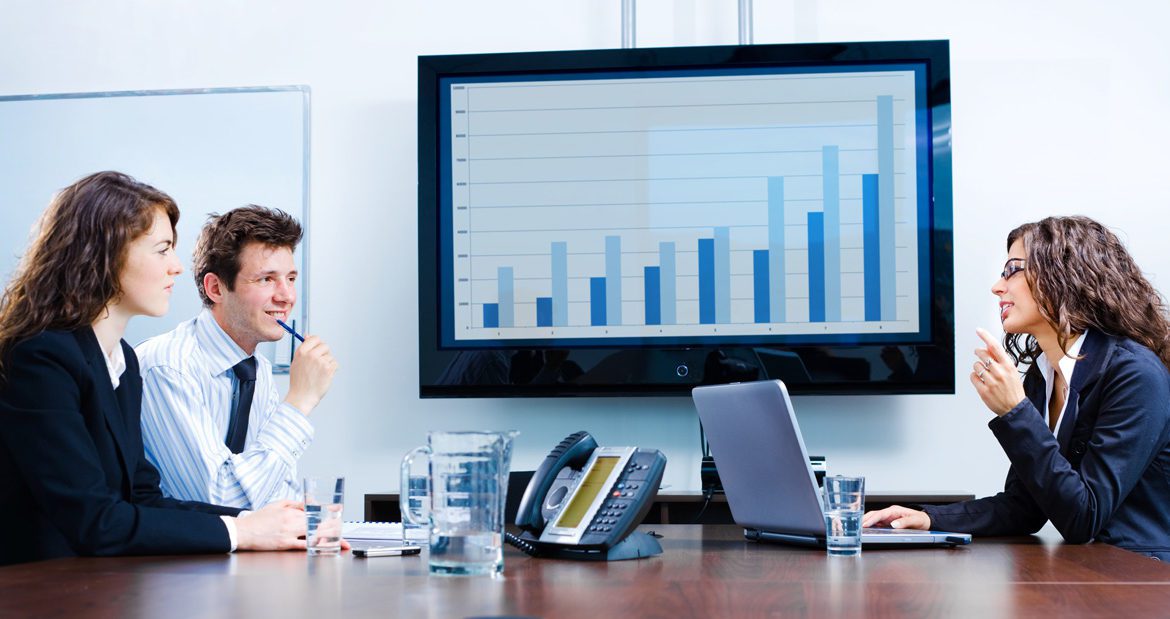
x=187, y=388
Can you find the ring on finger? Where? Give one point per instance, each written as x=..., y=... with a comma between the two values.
x=979, y=375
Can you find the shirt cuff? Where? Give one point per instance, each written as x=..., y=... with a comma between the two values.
x=290, y=432
x=230, y=523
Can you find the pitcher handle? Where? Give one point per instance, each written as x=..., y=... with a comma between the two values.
x=408, y=513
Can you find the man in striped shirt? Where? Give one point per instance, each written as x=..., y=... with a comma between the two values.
x=212, y=422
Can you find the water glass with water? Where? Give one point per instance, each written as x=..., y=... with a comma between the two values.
x=844, y=505
x=324, y=497
x=467, y=484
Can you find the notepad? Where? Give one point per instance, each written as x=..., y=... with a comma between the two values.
x=380, y=531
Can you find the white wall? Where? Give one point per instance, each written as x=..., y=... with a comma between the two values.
x=1059, y=108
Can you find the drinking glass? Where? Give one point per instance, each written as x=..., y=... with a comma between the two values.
x=324, y=498
x=844, y=505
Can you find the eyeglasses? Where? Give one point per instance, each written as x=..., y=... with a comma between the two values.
x=1011, y=267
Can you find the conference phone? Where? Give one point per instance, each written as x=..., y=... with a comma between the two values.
x=584, y=502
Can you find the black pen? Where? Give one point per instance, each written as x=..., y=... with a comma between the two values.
x=290, y=330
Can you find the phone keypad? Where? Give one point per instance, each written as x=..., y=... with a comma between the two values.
x=614, y=513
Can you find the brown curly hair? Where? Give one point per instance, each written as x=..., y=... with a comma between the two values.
x=1083, y=277
x=70, y=272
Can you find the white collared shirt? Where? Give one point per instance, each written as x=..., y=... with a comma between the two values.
x=116, y=364
x=1067, y=364
x=187, y=387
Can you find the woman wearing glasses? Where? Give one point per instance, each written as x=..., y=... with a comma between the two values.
x=1088, y=430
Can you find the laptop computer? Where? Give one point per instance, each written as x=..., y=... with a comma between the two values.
x=762, y=462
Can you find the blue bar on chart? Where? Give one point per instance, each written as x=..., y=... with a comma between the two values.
x=506, y=299
x=706, y=281
x=597, y=301
x=816, y=267
x=886, y=210
x=560, y=284
x=871, y=241
x=491, y=316
x=831, y=186
x=653, y=285
x=613, y=280
x=776, y=266
x=544, y=313
x=760, y=281
x=722, y=275
x=667, y=277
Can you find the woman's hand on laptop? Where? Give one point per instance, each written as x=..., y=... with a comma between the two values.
x=897, y=517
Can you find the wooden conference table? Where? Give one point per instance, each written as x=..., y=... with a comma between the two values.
x=705, y=571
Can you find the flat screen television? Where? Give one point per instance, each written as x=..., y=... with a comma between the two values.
x=642, y=221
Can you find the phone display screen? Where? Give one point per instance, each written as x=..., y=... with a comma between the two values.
x=591, y=486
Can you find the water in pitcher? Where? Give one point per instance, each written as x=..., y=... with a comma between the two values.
x=467, y=554
x=467, y=478
x=468, y=515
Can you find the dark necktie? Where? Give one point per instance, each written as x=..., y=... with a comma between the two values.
x=242, y=404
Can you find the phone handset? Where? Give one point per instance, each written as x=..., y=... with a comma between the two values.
x=572, y=452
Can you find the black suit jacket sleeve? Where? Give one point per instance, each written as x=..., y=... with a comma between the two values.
x=61, y=439
x=146, y=492
x=1011, y=512
x=1120, y=423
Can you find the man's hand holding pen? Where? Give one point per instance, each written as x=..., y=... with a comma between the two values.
x=310, y=375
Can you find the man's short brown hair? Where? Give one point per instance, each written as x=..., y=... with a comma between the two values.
x=224, y=236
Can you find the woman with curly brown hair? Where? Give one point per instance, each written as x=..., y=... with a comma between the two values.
x=73, y=477
x=1088, y=430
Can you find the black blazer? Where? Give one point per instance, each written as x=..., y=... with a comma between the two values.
x=1106, y=477
x=73, y=476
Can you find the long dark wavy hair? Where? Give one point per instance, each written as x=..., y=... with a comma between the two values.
x=1083, y=277
x=70, y=272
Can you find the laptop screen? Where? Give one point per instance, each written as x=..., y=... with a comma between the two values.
x=761, y=457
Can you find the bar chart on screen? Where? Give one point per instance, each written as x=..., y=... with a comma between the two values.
x=685, y=205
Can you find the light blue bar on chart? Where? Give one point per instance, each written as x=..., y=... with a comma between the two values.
x=831, y=185
x=871, y=240
x=560, y=284
x=886, y=210
x=613, y=280
x=722, y=275
x=667, y=279
x=816, y=267
x=776, y=267
x=507, y=299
